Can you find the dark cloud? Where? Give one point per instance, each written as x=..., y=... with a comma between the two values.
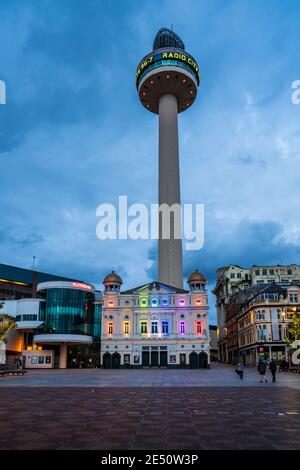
x=245, y=243
x=67, y=70
x=249, y=160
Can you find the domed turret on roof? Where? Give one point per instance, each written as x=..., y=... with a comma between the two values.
x=112, y=282
x=197, y=281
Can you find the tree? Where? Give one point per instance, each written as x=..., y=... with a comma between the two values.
x=294, y=329
x=5, y=325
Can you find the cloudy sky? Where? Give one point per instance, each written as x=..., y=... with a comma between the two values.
x=73, y=133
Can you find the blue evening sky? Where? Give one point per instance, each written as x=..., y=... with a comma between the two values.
x=73, y=133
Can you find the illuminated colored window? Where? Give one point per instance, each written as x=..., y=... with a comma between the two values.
x=144, y=302
x=154, y=328
x=110, y=328
x=165, y=327
x=199, y=327
x=144, y=327
x=182, y=327
x=126, y=328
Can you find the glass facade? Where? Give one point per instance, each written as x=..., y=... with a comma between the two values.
x=97, y=321
x=69, y=311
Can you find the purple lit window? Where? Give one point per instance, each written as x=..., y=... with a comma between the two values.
x=182, y=327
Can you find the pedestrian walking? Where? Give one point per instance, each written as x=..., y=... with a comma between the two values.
x=262, y=370
x=273, y=369
x=240, y=370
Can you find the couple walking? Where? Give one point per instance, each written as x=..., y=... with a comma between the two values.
x=262, y=370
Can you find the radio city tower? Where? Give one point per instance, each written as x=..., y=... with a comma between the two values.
x=167, y=80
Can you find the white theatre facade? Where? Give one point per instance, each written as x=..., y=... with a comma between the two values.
x=155, y=325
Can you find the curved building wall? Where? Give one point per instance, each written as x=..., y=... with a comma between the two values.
x=67, y=309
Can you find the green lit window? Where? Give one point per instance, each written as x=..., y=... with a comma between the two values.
x=144, y=327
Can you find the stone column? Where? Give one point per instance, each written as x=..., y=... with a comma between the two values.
x=63, y=356
x=169, y=250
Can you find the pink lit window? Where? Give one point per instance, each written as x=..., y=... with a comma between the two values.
x=199, y=327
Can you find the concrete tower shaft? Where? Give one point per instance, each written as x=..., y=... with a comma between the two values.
x=169, y=250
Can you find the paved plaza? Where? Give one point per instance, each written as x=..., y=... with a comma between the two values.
x=149, y=409
x=220, y=375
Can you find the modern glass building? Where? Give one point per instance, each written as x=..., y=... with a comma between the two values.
x=67, y=309
x=59, y=328
x=67, y=313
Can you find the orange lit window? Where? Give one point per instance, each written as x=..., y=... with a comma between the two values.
x=110, y=328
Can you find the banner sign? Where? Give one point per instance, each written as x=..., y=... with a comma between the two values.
x=166, y=57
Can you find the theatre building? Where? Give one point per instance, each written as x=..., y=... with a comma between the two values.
x=155, y=325
x=58, y=328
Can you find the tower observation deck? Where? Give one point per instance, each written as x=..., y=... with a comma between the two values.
x=167, y=80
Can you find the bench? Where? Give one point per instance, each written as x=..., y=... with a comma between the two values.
x=4, y=372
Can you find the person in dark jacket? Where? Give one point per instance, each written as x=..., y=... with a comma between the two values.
x=240, y=370
x=262, y=370
x=273, y=369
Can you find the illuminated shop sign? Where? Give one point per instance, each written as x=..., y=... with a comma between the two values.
x=81, y=285
x=169, y=55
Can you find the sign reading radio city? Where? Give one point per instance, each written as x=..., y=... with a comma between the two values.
x=165, y=57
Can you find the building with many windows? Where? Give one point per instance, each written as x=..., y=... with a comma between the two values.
x=229, y=279
x=248, y=333
x=60, y=327
x=155, y=325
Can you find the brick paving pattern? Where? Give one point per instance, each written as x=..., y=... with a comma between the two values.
x=150, y=418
